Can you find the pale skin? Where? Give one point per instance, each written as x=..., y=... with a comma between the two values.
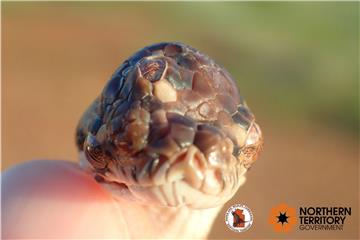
x=57, y=199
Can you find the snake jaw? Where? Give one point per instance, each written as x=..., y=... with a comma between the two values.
x=170, y=127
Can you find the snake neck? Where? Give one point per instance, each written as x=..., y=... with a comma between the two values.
x=166, y=222
x=137, y=220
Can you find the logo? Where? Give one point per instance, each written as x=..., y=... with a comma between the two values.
x=283, y=218
x=239, y=218
x=323, y=218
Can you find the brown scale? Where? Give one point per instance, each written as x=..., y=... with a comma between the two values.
x=164, y=99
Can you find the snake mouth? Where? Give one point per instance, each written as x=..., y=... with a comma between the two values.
x=202, y=174
x=188, y=178
x=170, y=128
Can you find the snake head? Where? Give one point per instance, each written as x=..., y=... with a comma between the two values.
x=170, y=128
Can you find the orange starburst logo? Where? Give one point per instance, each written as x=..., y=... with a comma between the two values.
x=283, y=218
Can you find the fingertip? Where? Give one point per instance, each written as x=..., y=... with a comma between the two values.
x=47, y=198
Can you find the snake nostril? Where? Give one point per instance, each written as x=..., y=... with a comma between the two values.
x=198, y=163
x=236, y=151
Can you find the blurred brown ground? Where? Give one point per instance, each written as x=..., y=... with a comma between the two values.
x=57, y=57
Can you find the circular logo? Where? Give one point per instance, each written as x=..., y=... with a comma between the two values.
x=239, y=218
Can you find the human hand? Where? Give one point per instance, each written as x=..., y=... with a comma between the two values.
x=57, y=199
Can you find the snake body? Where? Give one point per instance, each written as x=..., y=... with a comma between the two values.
x=170, y=128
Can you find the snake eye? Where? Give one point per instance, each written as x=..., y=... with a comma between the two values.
x=152, y=69
x=253, y=145
x=94, y=153
x=254, y=135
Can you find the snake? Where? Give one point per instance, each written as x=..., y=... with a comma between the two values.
x=169, y=128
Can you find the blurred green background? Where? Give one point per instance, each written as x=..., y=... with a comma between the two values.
x=296, y=64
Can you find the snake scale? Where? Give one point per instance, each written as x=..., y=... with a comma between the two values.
x=170, y=128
